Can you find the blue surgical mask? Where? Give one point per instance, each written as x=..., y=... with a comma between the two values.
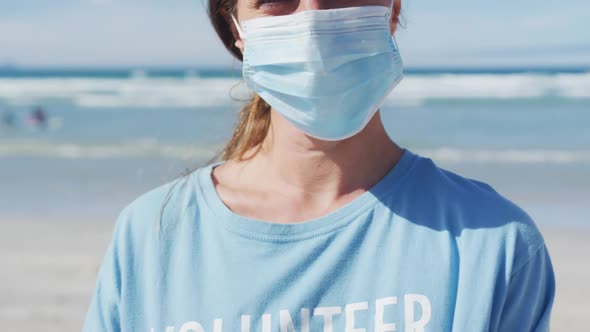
x=326, y=71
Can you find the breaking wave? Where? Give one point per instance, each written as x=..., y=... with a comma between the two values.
x=145, y=91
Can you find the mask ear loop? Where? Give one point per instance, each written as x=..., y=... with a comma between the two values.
x=238, y=27
x=388, y=15
x=389, y=10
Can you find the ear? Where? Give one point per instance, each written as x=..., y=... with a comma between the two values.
x=234, y=30
x=397, y=9
x=233, y=21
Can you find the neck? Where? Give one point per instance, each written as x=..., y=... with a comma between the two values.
x=291, y=159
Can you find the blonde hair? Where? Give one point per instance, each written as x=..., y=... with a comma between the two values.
x=251, y=130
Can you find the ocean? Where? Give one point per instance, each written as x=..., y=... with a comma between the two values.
x=108, y=135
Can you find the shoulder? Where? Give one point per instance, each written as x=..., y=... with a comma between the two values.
x=436, y=180
x=456, y=192
x=144, y=217
x=475, y=212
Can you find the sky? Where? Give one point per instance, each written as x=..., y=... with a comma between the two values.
x=177, y=33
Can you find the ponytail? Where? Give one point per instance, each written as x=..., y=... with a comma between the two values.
x=252, y=128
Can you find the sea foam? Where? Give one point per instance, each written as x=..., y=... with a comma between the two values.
x=155, y=148
x=145, y=91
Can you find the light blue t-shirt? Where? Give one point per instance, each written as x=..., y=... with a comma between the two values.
x=424, y=250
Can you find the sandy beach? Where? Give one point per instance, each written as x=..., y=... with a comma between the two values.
x=48, y=272
x=49, y=269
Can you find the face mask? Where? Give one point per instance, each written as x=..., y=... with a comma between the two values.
x=326, y=71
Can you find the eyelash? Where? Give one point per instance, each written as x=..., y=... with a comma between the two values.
x=270, y=3
x=261, y=2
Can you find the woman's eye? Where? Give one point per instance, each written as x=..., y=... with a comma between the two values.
x=274, y=7
x=260, y=3
x=272, y=4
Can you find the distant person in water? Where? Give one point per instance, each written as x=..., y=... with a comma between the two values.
x=37, y=118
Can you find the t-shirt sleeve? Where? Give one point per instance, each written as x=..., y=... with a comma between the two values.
x=103, y=312
x=530, y=296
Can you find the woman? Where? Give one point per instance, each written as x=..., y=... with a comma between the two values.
x=314, y=219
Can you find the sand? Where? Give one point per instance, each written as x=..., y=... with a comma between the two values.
x=570, y=254
x=49, y=268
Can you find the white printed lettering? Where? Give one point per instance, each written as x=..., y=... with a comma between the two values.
x=351, y=318
x=266, y=323
x=191, y=327
x=286, y=321
x=413, y=325
x=168, y=329
x=327, y=312
x=380, y=304
x=218, y=325
x=304, y=320
x=245, y=323
x=350, y=309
